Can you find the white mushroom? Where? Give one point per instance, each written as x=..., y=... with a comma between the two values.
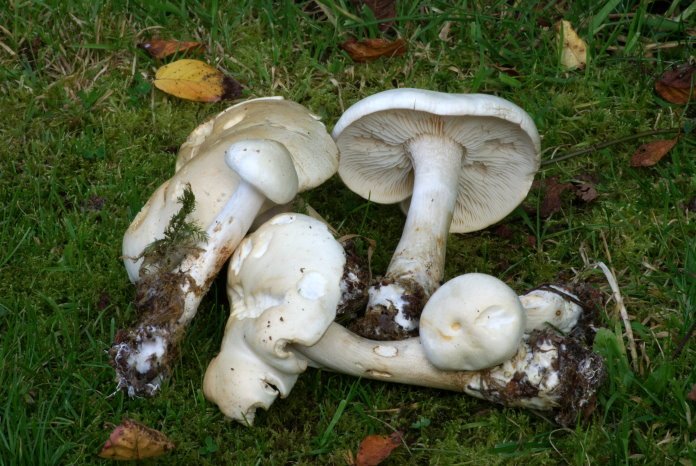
x=235, y=164
x=466, y=160
x=472, y=322
x=548, y=372
x=284, y=288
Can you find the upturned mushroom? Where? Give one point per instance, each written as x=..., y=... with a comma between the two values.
x=255, y=154
x=466, y=160
x=284, y=285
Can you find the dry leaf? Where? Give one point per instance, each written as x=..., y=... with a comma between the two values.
x=574, y=52
x=382, y=9
x=197, y=81
x=649, y=154
x=133, y=441
x=376, y=448
x=158, y=48
x=586, y=191
x=675, y=86
x=692, y=394
x=371, y=49
x=552, y=196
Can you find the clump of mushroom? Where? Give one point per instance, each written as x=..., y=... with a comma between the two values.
x=251, y=156
x=472, y=339
x=466, y=160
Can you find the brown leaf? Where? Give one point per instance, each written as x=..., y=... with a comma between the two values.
x=586, y=192
x=197, y=81
x=574, y=49
x=552, y=196
x=158, y=48
x=133, y=441
x=649, y=154
x=692, y=394
x=376, y=448
x=371, y=49
x=675, y=86
x=382, y=9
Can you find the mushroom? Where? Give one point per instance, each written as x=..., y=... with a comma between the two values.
x=466, y=160
x=244, y=159
x=548, y=372
x=472, y=322
x=284, y=285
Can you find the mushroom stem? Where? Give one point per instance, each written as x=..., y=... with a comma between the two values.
x=168, y=300
x=224, y=234
x=549, y=372
x=418, y=263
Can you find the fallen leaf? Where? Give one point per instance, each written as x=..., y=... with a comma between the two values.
x=552, y=196
x=159, y=48
x=503, y=231
x=376, y=448
x=371, y=49
x=692, y=394
x=676, y=86
x=574, y=49
x=195, y=80
x=382, y=9
x=104, y=300
x=649, y=154
x=444, y=33
x=586, y=192
x=132, y=440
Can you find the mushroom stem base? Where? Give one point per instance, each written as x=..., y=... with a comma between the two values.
x=394, y=311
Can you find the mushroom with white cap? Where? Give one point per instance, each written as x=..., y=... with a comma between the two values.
x=472, y=322
x=466, y=160
x=537, y=368
x=235, y=168
x=284, y=288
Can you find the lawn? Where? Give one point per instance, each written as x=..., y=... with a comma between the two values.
x=88, y=139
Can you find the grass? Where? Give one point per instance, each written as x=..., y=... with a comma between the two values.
x=87, y=139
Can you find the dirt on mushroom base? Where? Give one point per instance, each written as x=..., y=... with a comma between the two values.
x=354, y=283
x=578, y=371
x=381, y=323
x=142, y=355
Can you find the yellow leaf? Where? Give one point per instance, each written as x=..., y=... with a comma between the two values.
x=574, y=49
x=195, y=80
x=133, y=441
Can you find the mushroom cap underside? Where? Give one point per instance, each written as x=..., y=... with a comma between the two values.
x=499, y=140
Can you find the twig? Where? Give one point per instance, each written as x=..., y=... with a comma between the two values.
x=683, y=341
x=602, y=145
x=622, y=311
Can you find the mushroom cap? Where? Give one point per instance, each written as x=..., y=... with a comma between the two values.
x=265, y=164
x=500, y=140
x=472, y=322
x=284, y=287
x=313, y=152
